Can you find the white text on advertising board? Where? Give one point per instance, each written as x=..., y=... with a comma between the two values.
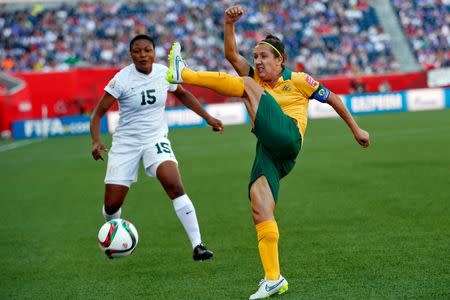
x=373, y=103
x=52, y=127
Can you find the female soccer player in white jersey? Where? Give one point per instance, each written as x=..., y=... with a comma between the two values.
x=141, y=90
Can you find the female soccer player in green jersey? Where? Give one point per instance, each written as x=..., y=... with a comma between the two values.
x=277, y=102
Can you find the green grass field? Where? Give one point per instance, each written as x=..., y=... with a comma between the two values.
x=354, y=223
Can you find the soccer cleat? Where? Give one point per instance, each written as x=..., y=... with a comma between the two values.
x=176, y=64
x=201, y=253
x=268, y=288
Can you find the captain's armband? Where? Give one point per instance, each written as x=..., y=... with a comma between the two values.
x=321, y=94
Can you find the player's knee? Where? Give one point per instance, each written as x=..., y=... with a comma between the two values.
x=261, y=213
x=248, y=80
x=113, y=202
x=250, y=84
x=257, y=213
x=252, y=89
x=174, y=190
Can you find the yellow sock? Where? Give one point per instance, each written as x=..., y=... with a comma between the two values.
x=268, y=248
x=222, y=83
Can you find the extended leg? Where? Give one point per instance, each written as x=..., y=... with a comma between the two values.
x=222, y=83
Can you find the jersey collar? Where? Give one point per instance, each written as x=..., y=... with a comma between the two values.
x=287, y=74
x=142, y=74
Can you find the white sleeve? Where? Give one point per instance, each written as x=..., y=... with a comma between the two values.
x=114, y=87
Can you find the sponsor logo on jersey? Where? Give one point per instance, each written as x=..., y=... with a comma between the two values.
x=311, y=81
x=287, y=88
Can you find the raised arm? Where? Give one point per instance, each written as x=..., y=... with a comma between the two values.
x=239, y=63
x=192, y=103
x=361, y=136
x=102, y=107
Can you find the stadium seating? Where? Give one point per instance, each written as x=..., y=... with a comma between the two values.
x=323, y=38
x=426, y=24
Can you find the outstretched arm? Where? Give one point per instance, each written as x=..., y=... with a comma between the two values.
x=239, y=63
x=361, y=136
x=192, y=103
x=102, y=107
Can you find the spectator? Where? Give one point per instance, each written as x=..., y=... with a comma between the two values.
x=357, y=87
x=426, y=25
x=384, y=87
x=333, y=37
x=8, y=64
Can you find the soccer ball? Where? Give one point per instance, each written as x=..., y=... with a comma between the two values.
x=117, y=238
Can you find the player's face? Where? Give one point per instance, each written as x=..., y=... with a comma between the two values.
x=143, y=55
x=267, y=66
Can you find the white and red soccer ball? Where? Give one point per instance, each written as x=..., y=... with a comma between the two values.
x=117, y=238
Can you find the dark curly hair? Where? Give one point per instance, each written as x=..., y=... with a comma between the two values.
x=141, y=37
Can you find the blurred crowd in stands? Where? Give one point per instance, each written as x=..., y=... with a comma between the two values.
x=321, y=37
x=426, y=24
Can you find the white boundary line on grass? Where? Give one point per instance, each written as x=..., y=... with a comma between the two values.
x=15, y=145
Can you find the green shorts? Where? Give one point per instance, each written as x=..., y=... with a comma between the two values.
x=279, y=142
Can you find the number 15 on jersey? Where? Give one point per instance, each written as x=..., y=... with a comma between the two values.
x=148, y=97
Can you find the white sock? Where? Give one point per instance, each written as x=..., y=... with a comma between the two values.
x=186, y=214
x=115, y=215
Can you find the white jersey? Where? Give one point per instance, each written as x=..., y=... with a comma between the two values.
x=142, y=99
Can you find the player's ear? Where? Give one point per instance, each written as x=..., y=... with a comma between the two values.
x=279, y=60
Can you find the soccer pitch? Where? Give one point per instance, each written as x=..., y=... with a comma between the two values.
x=354, y=223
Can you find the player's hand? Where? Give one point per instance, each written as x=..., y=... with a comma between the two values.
x=216, y=124
x=233, y=13
x=97, y=149
x=362, y=137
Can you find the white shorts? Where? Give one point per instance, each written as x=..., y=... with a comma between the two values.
x=123, y=160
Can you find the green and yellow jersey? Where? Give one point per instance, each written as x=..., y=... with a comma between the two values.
x=292, y=91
